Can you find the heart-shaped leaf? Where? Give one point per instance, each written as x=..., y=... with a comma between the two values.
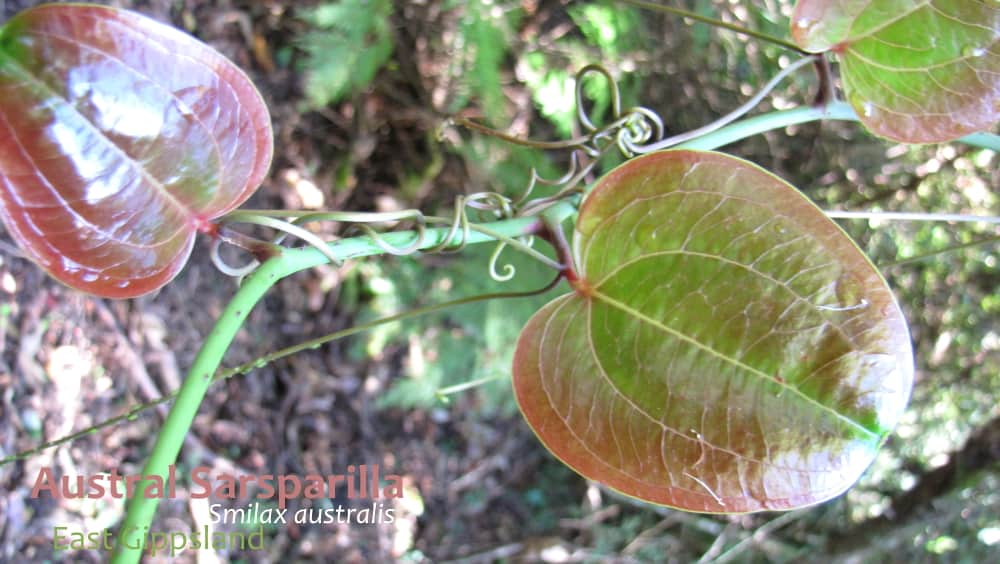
x=915, y=71
x=727, y=347
x=120, y=138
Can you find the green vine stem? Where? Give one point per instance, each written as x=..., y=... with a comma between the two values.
x=141, y=509
x=726, y=119
x=776, y=120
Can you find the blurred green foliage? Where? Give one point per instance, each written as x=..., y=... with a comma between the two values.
x=351, y=40
x=607, y=34
x=950, y=300
x=462, y=344
x=485, y=32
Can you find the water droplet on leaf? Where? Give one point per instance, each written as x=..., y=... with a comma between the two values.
x=970, y=51
x=805, y=24
x=864, y=107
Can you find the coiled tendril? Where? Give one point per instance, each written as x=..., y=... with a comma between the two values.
x=633, y=131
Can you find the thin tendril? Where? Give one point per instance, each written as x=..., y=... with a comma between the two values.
x=543, y=145
x=376, y=237
x=290, y=228
x=714, y=22
x=300, y=218
x=508, y=269
x=457, y=222
x=635, y=149
x=270, y=218
x=321, y=215
x=933, y=254
x=443, y=393
x=313, y=343
x=913, y=216
x=637, y=129
x=259, y=249
x=574, y=165
x=134, y=412
x=640, y=123
x=538, y=205
x=226, y=268
x=581, y=112
x=519, y=245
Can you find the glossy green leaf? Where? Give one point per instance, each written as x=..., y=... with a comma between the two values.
x=120, y=138
x=727, y=347
x=915, y=71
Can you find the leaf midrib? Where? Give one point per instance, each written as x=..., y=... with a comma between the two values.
x=24, y=74
x=596, y=294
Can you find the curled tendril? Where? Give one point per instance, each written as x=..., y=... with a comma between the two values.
x=613, y=91
x=642, y=126
x=624, y=129
x=508, y=269
x=632, y=131
x=631, y=148
x=389, y=248
x=291, y=223
x=634, y=126
x=257, y=248
x=501, y=208
x=224, y=267
x=636, y=130
x=498, y=204
x=536, y=179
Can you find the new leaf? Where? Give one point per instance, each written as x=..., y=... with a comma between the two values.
x=120, y=138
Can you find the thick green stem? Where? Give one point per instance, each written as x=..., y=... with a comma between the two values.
x=771, y=121
x=777, y=120
x=168, y=443
x=141, y=509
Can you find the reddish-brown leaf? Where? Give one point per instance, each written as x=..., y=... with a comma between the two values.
x=914, y=71
x=727, y=349
x=120, y=138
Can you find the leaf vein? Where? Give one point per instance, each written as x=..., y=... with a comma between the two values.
x=735, y=362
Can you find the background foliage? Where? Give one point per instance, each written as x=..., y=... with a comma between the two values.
x=479, y=484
